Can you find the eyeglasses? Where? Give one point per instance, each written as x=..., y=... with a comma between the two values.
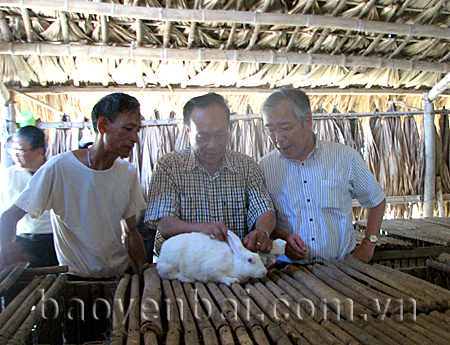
x=282, y=130
x=15, y=152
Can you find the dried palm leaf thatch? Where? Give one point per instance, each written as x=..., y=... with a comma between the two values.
x=182, y=140
x=355, y=76
x=236, y=72
x=67, y=63
x=171, y=72
x=358, y=135
x=87, y=26
x=431, y=12
x=128, y=72
x=242, y=37
x=233, y=143
x=443, y=131
x=295, y=76
x=425, y=79
x=324, y=75
x=209, y=75
x=116, y=33
x=388, y=12
x=54, y=32
x=372, y=156
x=90, y=70
x=273, y=40
x=39, y=25
x=306, y=6
x=330, y=6
x=178, y=39
x=305, y=39
x=383, y=77
x=355, y=43
x=268, y=74
x=330, y=42
x=386, y=45
x=42, y=65
x=149, y=76
x=202, y=38
x=148, y=36
x=15, y=66
x=361, y=12
x=194, y=67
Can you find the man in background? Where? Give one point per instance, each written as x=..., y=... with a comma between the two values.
x=207, y=188
x=92, y=193
x=34, y=235
x=312, y=184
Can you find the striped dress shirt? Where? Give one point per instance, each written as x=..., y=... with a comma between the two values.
x=182, y=188
x=313, y=198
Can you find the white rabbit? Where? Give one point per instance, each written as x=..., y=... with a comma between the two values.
x=197, y=257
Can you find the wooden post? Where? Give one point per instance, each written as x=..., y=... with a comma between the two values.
x=7, y=113
x=430, y=154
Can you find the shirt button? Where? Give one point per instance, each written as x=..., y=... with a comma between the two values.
x=312, y=239
x=304, y=181
x=303, y=163
x=314, y=258
x=308, y=200
x=310, y=219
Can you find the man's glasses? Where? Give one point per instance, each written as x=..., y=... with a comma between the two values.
x=15, y=152
x=285, y=130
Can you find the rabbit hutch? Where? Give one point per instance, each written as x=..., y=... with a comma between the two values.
x=376, y=73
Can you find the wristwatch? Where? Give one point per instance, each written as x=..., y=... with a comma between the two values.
x=372, y=238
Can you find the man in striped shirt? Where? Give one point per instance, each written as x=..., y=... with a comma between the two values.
x=312, y=184
x=207, y=188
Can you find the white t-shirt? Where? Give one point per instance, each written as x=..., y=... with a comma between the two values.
x=13, y=182
x=88, y=206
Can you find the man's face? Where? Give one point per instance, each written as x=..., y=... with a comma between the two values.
x=23, y=155
x=121, y=135
x=208, y=134
x=290, y=136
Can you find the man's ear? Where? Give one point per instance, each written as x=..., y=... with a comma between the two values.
x=102, y=124
x=308, y=122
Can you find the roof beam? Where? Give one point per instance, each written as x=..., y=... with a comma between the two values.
x=145, y=53
x=210, y=16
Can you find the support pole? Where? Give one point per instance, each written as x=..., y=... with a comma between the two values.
x=430, y=168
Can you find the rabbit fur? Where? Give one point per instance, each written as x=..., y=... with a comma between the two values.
x=197, y=257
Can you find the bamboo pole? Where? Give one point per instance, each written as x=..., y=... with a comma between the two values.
x=147, y=53
x=217, y=319
x=174, y=329
x=201, y=318
x=13, y=306
x=190, y=331
x=211, y=16
x=10, y=327
x=430, y=156
x=118, y=331
x=23, y=332
x=45, y=270
x=134, y=334
x=12, y=276
x=151, y=297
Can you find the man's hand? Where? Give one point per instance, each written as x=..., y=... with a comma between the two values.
x=257, y=240
x=217, y=230
x=364, y=252
x=295, y=248
x=13, y=253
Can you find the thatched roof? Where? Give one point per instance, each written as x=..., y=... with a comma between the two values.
x=258, y=44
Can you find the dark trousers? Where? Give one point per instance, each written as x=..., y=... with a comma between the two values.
x=42, y=248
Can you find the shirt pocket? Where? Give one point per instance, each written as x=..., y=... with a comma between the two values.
x=334, y=195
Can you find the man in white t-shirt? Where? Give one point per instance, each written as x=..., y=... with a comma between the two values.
x=92, y=193
x=35, y=236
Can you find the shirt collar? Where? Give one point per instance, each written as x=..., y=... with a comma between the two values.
x=192, y=162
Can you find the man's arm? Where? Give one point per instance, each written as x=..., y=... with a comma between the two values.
x=136, y=245
x=364, y=252
x=295, y=248
x=172, y=226
x=257, y=239
x=11, y=252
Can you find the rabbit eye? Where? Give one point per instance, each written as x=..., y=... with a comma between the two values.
x=250, y=260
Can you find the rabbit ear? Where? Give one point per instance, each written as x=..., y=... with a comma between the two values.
x=234, y=241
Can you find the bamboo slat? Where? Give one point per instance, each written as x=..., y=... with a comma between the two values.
x=134, y=334
x=118, y=326
x=151, y=319
x=12, y=277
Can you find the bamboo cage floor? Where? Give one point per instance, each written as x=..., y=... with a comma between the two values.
x=430, y=230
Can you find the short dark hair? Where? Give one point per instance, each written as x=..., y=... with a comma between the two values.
x=34, y=135
x=297, y=98
x=203, y=102
x=112, y=106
